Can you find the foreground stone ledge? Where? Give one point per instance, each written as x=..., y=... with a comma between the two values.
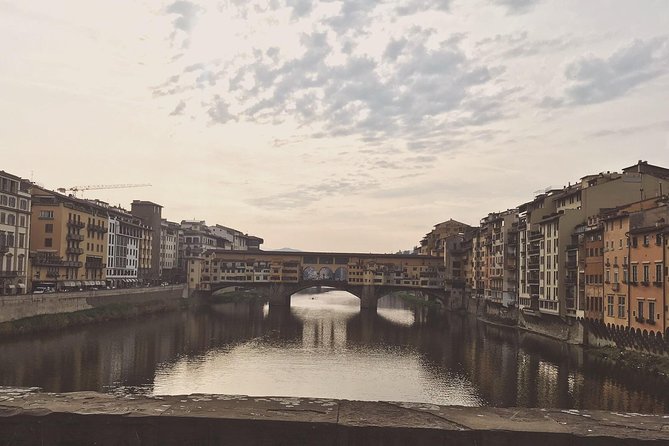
x=28, y=417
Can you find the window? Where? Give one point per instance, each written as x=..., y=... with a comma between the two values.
x=646, y=240
x=651, y=312
x=610, y=306
x=635, y=277
x=640, y=310
x=47, y=215
x=11, y=219
x=12, y=202
x=23, y=205
x=22, y=221
x=658, y=273
x=658, y=239
x=48, y=242
x=646, y=273
x=608, y=276
x=621, y=306
x=48, y=228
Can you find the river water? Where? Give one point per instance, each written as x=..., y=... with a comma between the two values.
x=324, y=346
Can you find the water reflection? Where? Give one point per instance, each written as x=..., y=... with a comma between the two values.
x=323, y=345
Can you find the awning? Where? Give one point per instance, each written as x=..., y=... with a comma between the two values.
x=99, y=282
x=21, y=285
x=77, y=283
x=11, y=286
x=68, y=283
x=88, y=283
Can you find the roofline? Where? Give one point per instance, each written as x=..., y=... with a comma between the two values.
x=319, y=253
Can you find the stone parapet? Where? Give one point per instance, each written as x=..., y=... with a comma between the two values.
x=28, y=418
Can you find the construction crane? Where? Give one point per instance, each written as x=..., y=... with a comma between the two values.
x=75, y=189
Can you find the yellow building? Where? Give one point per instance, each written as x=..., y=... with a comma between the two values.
x=68, y=241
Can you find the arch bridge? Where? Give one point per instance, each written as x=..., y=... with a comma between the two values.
x=281, y=274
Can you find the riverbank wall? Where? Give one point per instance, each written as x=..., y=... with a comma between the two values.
x=38, y=312
x=573, y=331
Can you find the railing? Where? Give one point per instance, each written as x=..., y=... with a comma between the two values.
x=76, y=224
x=97, y=228
x=8, y=274
x=75, y=237
x=74, y=250
x=47, y=261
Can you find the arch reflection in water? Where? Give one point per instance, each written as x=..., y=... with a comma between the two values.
x=325, y=346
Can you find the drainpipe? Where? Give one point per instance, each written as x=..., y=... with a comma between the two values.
x=629, y=277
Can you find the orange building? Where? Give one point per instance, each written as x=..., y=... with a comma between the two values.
x=594, y=272
x=647, y=291
x=68, y=241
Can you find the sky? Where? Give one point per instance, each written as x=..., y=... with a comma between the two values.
x=349, y=125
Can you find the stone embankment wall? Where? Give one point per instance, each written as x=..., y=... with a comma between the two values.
x=85, y=418
x=14, y=308
x=600, y=335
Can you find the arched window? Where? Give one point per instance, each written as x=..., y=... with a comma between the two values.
x=11, y=220
x=9, y=263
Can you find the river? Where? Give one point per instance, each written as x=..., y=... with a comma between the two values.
x=324, y=346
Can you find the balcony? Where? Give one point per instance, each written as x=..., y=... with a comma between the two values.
x=570, y=281
x=53, y=274
x=72, y=264
x=95, y=265
x=571, y=264
x=97, y=228
x=76, y=224
x=76, y=251
x=8, y=274
x=535, y=235
x=75, y=237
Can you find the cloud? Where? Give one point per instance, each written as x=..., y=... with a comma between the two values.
x=301, y=8
x=517, y=6
x=520, y=45
x=305, y=195
x=595, y=80
x=414, y=6
x=631, y=130
x=186, y=17
x=179, y=109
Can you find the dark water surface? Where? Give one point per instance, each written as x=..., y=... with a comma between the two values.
x=324, y=346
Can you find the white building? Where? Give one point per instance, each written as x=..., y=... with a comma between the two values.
x=14, y=233
x=125, y=232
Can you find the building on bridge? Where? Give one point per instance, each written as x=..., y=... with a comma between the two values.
x=281, y=274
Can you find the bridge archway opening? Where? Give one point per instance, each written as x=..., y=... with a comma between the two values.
x=325, y=297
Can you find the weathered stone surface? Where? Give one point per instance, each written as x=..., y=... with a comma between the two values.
x=28, y=417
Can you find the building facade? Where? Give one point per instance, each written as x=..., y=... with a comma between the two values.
x=151, y=215
x=169, y=251
x=15, y=220
x=124, y=241
x=68, y=241
x=647, y=289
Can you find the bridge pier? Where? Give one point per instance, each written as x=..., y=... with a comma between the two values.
x=279, y=295
x=368, y=298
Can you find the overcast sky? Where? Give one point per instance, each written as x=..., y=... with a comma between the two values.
x=348, y=125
